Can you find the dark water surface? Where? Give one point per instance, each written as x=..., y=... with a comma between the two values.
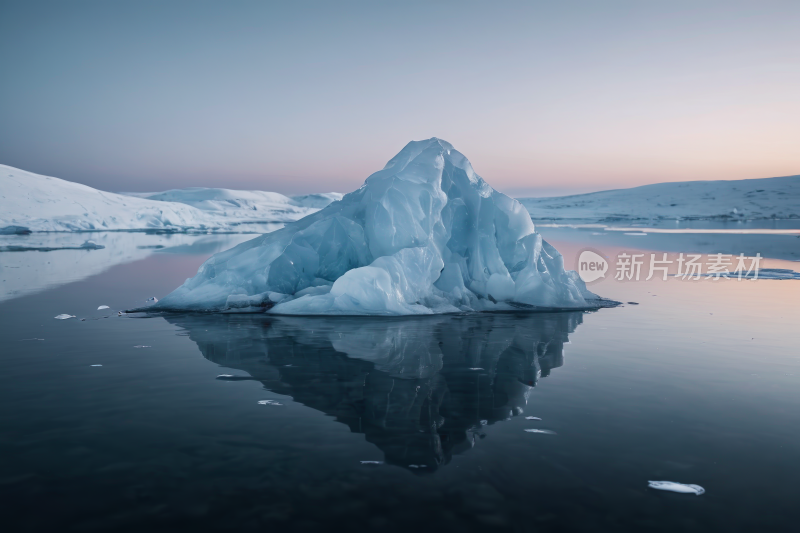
x=699, y=383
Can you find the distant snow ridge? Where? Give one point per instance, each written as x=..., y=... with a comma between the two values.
x=424, y=235
x=31, y=202
x=723, y=200
x=245, y=206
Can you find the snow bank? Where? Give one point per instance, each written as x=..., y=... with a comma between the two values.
x=319, y=200
x=238, y=206
x=31, y=202
x=735, y=199
x=424, y=235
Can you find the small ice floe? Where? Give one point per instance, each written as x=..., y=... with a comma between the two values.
x=768, y=273
x=231, y=377
x=33, y=339
x=142, y=346
x=103, y=307
x=636, y=234
x=91, y=245
x=532, y=418
x=542, y=431
x=151, y=300
x=418, y=466
x=96, y=365
x=64, y=316
x=633, y=303
x=476, y=368
x=371, y=462
x=268, y=402
x=672, y=486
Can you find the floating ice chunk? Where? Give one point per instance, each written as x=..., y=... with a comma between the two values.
x=371, y=462
x=532, y=418
x=418, y=466
x=231, y=377
x=96, y=365
x=268, y=402
x=142, y=346
x=103, y=307
x=476, y=368
x=542, y=431
x=91, y=245
x=424, y=235
x=636, y=234
x=64, y=316
x=151, y=300
x=672, y=486
x=33, y=339
x=633, y=303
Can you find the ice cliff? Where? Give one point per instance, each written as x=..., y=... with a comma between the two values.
x=424, y=235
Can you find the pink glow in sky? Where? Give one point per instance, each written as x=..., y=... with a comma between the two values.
x=543, y=98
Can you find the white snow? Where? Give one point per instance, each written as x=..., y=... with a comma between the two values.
x=31, y=202
x=245, y=207
x=319, y=200
x=724, y=199
x=424, y=235
x=64, y=316
x=672, y=486
x=268, y=402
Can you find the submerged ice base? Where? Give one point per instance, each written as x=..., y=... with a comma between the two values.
x=424, y=235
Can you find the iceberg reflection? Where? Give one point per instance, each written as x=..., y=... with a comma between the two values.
x=420, y=389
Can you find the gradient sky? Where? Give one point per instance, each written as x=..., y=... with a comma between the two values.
x=542, y=97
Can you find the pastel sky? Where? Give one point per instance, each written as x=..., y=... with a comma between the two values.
x=543, y=97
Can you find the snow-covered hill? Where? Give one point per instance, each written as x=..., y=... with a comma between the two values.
x=689, y=200
x=42, y=203
x=245, y=206
x=319, y=200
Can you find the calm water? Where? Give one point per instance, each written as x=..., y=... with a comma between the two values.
x=699, y=383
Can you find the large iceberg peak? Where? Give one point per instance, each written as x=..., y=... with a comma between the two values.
x=423, y=235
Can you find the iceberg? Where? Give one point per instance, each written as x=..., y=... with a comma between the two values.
x=425, y=235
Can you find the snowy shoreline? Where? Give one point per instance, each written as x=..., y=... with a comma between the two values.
x=33, y=203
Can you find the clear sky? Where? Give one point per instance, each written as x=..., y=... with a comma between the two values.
x=542, y=97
